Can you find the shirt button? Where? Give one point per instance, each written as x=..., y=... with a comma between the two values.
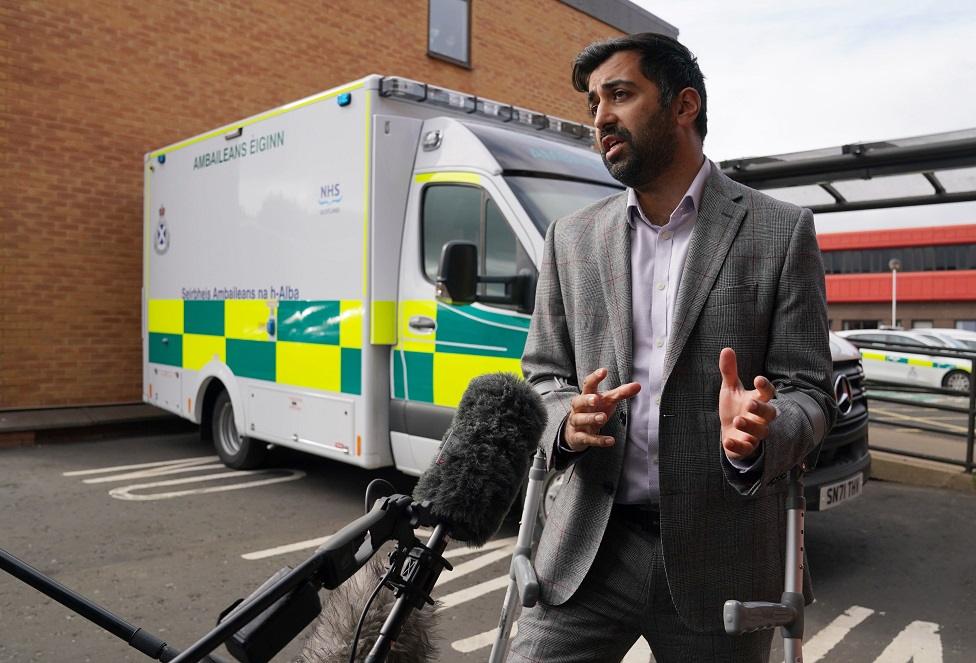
x=666, y=234
x=660, y=342
x=661, y=285
x=657, y=401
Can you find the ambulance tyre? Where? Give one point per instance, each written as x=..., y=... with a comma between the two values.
x=957, y=381
x=235, y=451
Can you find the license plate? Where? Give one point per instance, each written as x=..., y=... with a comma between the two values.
x=842, y=491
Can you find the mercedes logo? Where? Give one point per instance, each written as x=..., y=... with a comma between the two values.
x=844, y=394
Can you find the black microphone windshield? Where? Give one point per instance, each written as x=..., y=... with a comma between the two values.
x=331, y=638
x=484, y=456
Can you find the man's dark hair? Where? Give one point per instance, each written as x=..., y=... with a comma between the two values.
x=669, y=64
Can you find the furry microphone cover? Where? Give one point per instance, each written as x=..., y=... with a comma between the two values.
x=484, y=457
x=331, y=638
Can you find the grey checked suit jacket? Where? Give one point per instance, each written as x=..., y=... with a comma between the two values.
x=753, y=280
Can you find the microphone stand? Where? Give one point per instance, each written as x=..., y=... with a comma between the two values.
x=416, y=574
x=788, y=613
x=134, y=636
x=277, y=603
x=256, y=628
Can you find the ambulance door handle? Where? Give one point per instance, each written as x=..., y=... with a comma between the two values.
x=422, y=324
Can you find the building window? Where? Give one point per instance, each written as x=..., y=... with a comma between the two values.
x=859, y=324
x=922, y=324
x=913, y=259
x=449, y=30
x=968, y=325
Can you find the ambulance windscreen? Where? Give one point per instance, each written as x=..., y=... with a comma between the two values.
x=515, y=151
x=546, y=199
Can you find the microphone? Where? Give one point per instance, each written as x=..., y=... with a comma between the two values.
x=331, y=639
x=484, y=457
x=465, y=494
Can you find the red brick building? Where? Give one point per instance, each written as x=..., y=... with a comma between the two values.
x=88, y=88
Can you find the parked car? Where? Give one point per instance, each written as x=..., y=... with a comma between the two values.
x=952, y=338
x=843, y=463
x=902, y=366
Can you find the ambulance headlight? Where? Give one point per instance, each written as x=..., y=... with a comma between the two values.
x=404, y=88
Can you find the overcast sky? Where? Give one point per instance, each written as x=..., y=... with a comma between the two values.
x=787, y=75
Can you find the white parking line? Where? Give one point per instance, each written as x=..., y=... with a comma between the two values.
x=119, y=468
x=827, y=638
x=287, y=548
x=491, y=545
x=128, y=492
x=919, y=642
x=476, y=642
x=924, y=420
x=421, y=533
x=473, y=565
x=470, y=593
x=162, y=471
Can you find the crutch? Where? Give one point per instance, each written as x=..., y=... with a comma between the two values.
x=523, y=581
x=788, y=613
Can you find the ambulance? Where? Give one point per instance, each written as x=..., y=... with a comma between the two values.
x=291, y=264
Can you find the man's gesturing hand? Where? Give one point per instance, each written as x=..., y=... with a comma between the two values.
x=591, y=410
x=745, y=415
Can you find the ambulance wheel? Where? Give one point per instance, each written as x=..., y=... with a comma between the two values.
x=957, y=381
x=235, y=450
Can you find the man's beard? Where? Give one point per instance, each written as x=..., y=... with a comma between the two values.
x=651, y=152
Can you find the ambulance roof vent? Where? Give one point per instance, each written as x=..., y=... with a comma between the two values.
x=411, y=90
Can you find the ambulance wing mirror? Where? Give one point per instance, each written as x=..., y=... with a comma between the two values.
x=457, y=276
x=458, y=280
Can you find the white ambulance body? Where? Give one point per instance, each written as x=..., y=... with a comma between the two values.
x=291, y=260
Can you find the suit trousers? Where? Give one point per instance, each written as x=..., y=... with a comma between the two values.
x=624, y=596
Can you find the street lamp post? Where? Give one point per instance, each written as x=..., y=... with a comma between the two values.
x=894, y=265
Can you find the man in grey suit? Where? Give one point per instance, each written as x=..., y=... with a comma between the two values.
x=654, y=309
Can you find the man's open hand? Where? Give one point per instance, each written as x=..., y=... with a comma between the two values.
x=591, y=410
x=745, y=414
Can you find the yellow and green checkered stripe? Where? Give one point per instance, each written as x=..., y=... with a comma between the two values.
x=317, y=344
x=469, y=341
x=911, y=361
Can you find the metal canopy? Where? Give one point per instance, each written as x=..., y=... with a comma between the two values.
x=922, y=170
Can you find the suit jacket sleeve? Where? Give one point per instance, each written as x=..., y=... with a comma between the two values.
x=798, y=363
x=548, y=362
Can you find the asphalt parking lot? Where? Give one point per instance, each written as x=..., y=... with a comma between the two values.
x=153, y=528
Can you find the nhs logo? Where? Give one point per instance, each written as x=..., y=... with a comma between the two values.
x=330, y=194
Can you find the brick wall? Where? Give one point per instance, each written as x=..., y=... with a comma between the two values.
x=89, y=87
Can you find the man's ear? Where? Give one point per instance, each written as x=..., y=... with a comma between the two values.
x=686, y=107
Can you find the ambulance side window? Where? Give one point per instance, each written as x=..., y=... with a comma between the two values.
x=463, y=212
x=450, y=212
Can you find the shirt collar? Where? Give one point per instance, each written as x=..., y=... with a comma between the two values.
x=691, y=201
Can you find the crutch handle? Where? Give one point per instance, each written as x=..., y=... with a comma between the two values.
x=525, y=580
x=755, y=616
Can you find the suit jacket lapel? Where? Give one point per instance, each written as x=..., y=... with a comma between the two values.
x=718, y=222
x=615, y=276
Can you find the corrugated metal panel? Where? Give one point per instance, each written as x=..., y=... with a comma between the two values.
x=912, y=287
x=879, y=239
